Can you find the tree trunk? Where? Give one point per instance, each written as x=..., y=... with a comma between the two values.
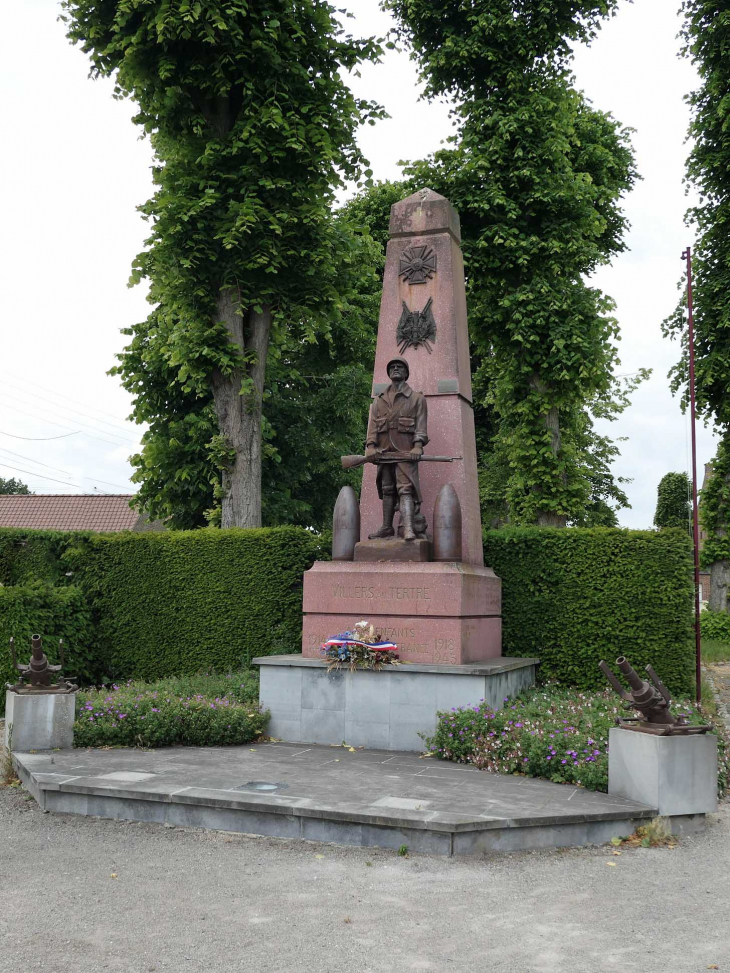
x=548, y=518
x=239, y=415
x=719, y=580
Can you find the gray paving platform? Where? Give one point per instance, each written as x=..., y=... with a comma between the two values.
x=366, y=798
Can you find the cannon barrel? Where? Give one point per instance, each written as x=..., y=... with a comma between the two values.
x=652, y=701
x=633, y=679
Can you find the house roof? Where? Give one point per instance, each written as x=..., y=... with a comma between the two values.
x=68, y=511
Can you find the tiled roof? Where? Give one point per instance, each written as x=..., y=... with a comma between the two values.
x=67, y=511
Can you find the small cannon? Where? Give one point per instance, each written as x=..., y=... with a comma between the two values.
x=37, y=677
x=652, y=701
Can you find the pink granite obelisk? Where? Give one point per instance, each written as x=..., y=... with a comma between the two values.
x=438, y=612
x=424, y=262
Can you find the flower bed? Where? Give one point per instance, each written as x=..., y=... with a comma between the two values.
x=552, y=732
x=206, y=710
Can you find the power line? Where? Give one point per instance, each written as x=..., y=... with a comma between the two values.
x=60, y=395
x=36, y=462
x=76, y=422
x=113, y=426
x=15, y=469
x=40, y=439
x=52, y=423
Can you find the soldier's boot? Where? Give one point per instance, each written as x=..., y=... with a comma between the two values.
x=388, y=513
x=406, y=515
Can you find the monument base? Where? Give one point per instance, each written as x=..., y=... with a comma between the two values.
x=386, y=710
x=393, y=549
x=676, y=774
x=39, y=721
x=437, y=613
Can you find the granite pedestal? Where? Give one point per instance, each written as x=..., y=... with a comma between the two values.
x=436, y=613
x=39, y=721
x=677, y=774
x=388, y=709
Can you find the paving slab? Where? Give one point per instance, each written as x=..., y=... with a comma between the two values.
x=365, y=797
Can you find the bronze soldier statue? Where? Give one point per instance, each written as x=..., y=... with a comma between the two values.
x=398, y=423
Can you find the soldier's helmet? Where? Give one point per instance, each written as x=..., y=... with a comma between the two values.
x=401, y=361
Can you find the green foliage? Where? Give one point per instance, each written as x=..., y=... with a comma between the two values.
x=314, y=409
x=14, y=486
x=673, y=507
x=551, y=732
x=174, y=602
x=32, y=555
x=715, y=626
x=536, y=176
x=170, y=713
x=706, y=36
x=715, y=508
x=574, y=597
x=253, y=129
x=38, y=608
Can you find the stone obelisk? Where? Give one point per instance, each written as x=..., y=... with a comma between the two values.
x=439, y=612
x=424, y=272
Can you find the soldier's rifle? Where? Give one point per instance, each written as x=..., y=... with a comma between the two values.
x=352, y=462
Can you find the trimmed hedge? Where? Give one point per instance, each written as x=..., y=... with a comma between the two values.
x=55, y=613
x=575, y=596
x=174, y=602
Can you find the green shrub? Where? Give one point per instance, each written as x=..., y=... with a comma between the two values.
x=175, y=602
x=54, y=613
x=715, y=625
x=574, y=596
x=153, y=715
x=552, y=732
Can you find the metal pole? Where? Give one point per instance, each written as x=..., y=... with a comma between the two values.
x=687, y=255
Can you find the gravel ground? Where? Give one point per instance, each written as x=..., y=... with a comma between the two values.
x=719, y=674
x=86, y=894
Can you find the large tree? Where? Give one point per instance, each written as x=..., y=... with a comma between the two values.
x=314, y=409
x=253, y=128
x=706, y=36
x=536, y=175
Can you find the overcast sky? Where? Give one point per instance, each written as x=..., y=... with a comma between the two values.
x=73, y=170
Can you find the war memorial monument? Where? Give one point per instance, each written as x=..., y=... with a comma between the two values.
x=408, y=557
